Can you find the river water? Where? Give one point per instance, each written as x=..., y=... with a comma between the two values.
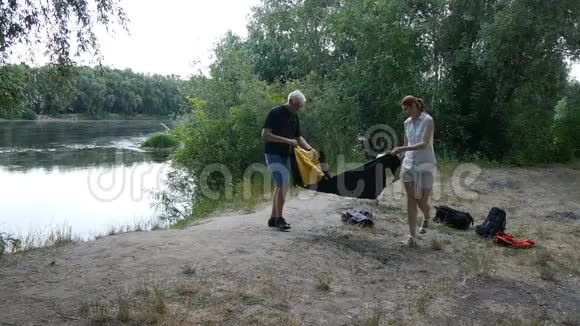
x=89, y=176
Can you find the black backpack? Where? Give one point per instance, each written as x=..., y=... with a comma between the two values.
x=494, y=223
x=452, y=217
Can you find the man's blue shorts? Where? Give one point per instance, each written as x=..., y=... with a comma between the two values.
x=280, y=167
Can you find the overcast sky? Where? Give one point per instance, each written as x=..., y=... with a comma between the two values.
x=167, y=37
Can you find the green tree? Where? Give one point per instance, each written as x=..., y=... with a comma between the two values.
x=92, y=91
x=13, y=84
x=69, y=25
x=566, y=122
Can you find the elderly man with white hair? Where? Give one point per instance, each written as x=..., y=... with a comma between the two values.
x=281, y=133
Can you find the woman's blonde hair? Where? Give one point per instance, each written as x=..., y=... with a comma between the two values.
x=409, y=99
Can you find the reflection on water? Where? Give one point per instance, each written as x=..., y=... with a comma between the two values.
x=90, y=175
x=46, y=134
x=69, y=158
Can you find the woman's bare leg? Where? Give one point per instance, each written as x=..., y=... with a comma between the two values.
x=411, y=208
x=425, y=208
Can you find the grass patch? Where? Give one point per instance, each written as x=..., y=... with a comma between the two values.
x=417, y=305
x=96, y=313
x=438, y=245
x=8, y=243
x=544, y=232
x=574, y=231
x=188, y=269
x=139, y=226
x=432, y=290
x=324, y=282
x=563, y=260
x=520, y=322
x=161, y=141
x=63, y=236
x=56, y=237
x=521, y=231
x=60, y=237
x=159, y=301
x=146, y=305
x=187, y=303
x=123, y=307
x=479, y=261
x=152, y=310
x=444, y=229
x=543, y=258
x=566, y=261
x=548, y=275
x=422, y=303
x=245, y=197
x=202, y=208
x=551, y=263
x=292, y=321
x=114, y=231
x=192, y=289
x=248, y=195
x=376, y=317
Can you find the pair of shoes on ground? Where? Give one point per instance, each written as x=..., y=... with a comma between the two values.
x=279, y=223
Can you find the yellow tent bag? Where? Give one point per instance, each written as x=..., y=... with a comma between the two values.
x=308, y=166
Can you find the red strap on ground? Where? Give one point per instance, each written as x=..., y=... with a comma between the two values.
x=508, y=240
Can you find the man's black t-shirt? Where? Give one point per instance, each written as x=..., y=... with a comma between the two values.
x=285, y=124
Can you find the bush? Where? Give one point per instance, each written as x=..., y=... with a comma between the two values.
x=566, y=121
x=28, y=115
x=161, y=141
x=230, y=140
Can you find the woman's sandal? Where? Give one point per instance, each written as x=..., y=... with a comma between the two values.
x=410, y=242
x=424, y=227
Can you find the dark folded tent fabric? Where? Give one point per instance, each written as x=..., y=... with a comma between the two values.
x=366, y=181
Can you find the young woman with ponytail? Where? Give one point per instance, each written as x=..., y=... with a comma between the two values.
x=418, y=166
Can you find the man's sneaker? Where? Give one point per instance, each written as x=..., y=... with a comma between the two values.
x=272, y=222
x=282, y=225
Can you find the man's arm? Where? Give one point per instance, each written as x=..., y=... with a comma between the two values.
x=268, y=136
x=303, y=143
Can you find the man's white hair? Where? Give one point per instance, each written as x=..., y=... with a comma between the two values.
x=297, y=96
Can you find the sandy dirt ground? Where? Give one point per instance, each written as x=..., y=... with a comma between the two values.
x=234, y=270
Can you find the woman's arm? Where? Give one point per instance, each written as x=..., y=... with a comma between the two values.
x=398, y=150
x=405, y=144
